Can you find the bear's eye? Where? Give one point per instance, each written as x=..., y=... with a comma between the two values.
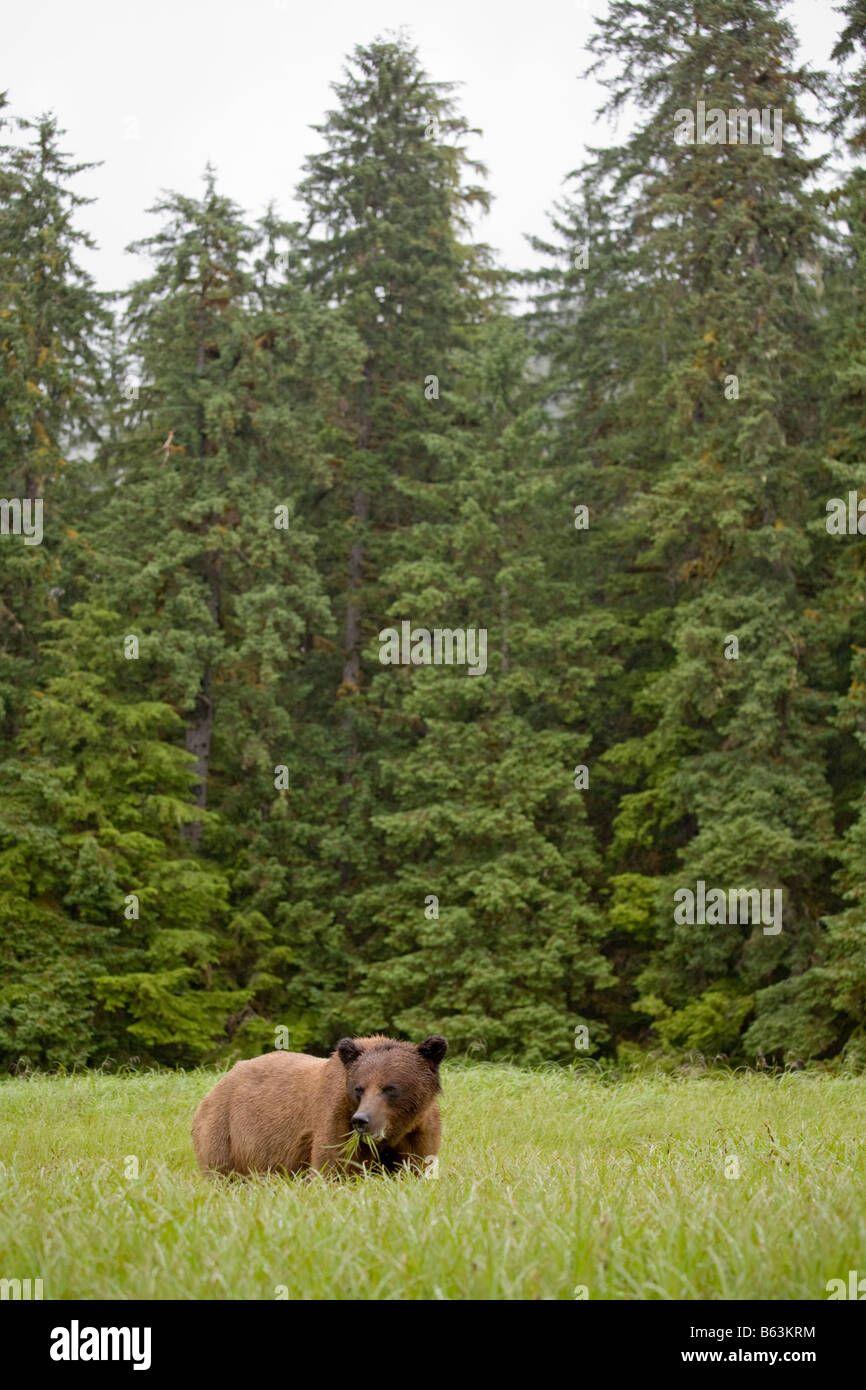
x=389, y=1090
x=359, y=1091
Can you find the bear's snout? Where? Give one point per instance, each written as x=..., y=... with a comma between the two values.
x=360, y=1122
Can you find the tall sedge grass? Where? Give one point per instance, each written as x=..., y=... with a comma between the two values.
x=550, y=1183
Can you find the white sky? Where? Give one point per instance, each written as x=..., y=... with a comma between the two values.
x=156, y=90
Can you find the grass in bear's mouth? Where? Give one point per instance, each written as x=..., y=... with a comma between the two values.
x=352, y=1143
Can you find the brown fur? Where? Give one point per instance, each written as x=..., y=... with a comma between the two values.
x=288, y=1112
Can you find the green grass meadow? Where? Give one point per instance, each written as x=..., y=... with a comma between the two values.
x=548, y=1181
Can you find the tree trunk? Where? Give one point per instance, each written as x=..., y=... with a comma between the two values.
x=360, y=515
x=200, y=727
x=352, y=654
x=351, y=682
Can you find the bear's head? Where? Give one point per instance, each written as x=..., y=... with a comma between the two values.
x=390, y=1084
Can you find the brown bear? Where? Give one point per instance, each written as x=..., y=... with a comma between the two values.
x=291, y=1113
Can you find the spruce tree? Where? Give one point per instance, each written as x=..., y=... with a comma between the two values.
x=105, y=920
x=706, y=481
x=53, y=327
x=483, y=923
x=832, y=994
x=200, y=554
x=386, y=245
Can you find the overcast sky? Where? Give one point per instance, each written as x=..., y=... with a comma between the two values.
x=156, y=90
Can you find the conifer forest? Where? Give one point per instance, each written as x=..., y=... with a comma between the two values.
x=396, y=640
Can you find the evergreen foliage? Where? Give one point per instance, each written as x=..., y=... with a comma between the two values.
x=223, y=812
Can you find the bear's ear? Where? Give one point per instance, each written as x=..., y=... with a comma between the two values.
x=348, y=1050
x=433, y=1049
